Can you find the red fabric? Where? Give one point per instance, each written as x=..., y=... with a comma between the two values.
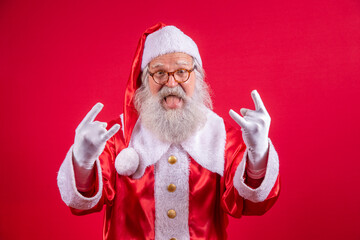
x=130, y=204
x=134, y=82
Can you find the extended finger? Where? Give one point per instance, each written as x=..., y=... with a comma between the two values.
x=237, y=118
x=114, y=129
x=259, y=105
x=91, y=115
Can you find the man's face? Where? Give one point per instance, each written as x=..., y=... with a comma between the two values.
x=171, y=62
x=172, y=111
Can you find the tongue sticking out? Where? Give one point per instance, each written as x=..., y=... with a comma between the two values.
x=173, y=102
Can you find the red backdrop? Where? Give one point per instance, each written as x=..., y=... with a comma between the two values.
x=57, y=58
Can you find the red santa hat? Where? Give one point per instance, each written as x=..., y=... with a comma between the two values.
x=155, y=41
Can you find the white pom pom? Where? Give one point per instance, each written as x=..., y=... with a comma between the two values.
x=127, y=161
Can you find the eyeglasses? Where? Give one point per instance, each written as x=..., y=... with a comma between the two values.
x=162, y=77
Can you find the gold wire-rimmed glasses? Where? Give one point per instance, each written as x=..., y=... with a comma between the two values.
x=180, y=75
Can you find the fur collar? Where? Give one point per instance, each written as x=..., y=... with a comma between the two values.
x=206, y=146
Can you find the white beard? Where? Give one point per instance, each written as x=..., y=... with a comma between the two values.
x=170, y=125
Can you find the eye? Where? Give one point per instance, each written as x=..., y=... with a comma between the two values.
x=160, y=73
x=181, y=71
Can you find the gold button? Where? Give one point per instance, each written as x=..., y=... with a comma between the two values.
x=172, y=159
x=172, y=238
x=171, y=187
x=171, y=213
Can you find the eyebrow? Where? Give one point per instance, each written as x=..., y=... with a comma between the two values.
x=156, y=65
x=182, y=62
x=179, y=63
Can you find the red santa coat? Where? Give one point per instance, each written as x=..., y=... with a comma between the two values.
x=209, y=176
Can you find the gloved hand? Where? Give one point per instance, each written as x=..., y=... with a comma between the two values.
x=91, y=137
x=255, y=130
x=90, y=141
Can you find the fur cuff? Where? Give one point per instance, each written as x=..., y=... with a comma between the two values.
x=272, y=171
x=67, y=185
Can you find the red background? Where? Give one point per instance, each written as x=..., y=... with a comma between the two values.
x=58, y=58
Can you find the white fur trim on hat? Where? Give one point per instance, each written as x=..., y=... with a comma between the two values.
x=169, y=39
x=127, y=161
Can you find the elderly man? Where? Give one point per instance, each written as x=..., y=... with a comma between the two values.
x=175, y=170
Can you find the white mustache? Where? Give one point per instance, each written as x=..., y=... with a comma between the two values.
x=175, y=91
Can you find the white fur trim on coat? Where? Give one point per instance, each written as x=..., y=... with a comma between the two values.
x=67, y=185
x=272, y=171
x=122, y=123
x=148, y=146
x=169, y=39
x=206, y=147
x=177, y=174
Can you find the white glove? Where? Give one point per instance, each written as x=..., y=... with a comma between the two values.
x=90, y=141
x=255, y=130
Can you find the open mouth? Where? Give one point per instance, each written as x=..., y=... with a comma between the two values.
x=172, y=102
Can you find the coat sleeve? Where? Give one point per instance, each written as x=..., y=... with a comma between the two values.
x=103, y=191
x=240, y=195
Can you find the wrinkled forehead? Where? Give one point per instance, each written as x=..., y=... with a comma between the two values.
x=171, y=60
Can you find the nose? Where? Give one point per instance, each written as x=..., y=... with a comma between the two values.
x=171, y=82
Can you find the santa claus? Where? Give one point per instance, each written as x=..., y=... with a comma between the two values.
x=169, y=167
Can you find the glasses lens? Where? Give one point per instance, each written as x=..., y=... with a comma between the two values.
x=181, y=75
x=160, y=77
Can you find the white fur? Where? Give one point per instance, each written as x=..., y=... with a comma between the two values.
x=169, y=39
x=67, y=185
x=126, y=162
x=122, y=123
x=272, y=171
x=148, y=146
x=206, y=147
x=178, y=174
